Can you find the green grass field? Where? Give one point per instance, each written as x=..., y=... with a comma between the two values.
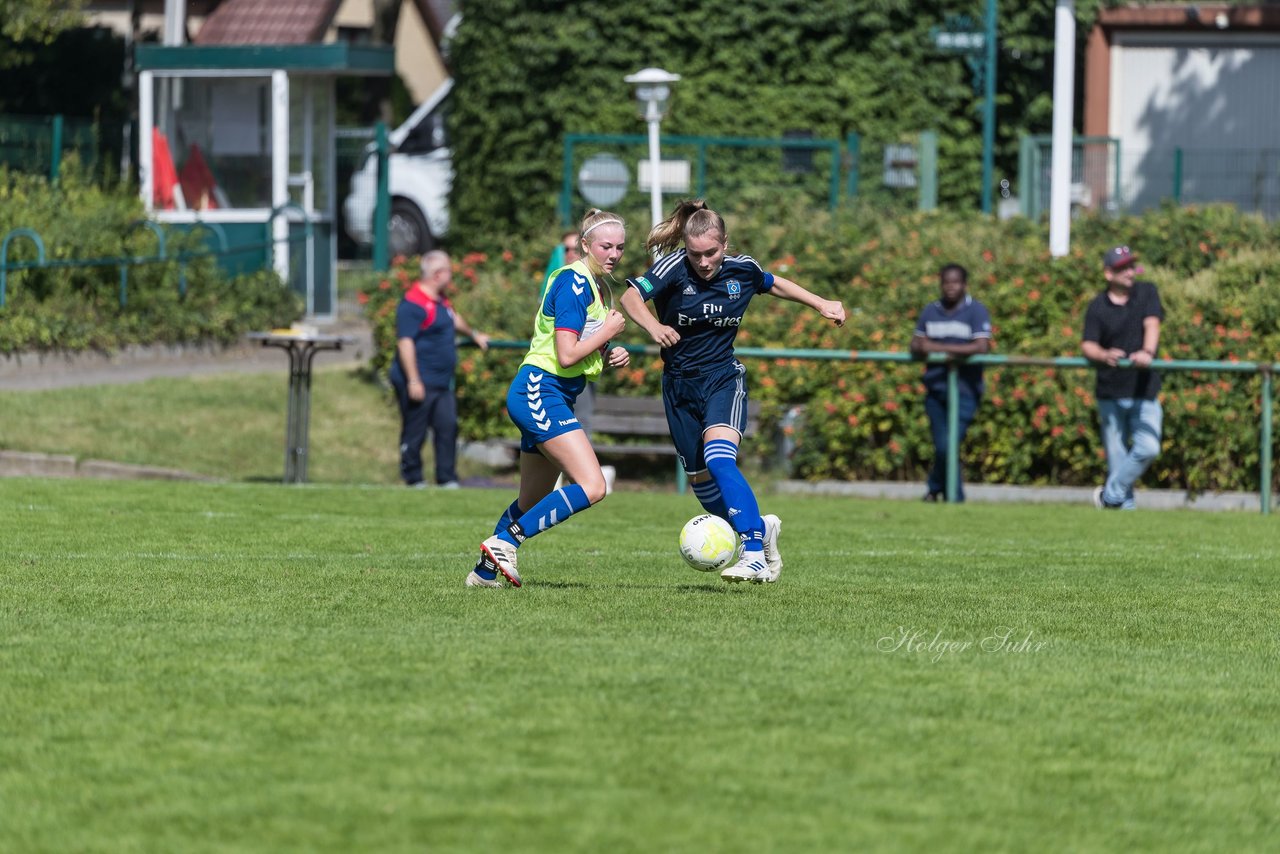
x=251, y=667
x=228, y=426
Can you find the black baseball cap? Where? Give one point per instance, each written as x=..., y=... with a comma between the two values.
x=1118, y=257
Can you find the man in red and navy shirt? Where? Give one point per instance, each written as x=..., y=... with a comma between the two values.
x=422, y=372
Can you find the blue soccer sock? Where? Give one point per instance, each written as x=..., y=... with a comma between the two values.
x=508, y=516
x=559, y=505
x=504, y=521
x=743, y=512
x=708, y=495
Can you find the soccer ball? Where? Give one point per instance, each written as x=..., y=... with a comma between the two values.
x=708, y=543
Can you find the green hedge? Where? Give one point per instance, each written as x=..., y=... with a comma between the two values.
x=1215, y=269
x=77, y=307
x=530, y=71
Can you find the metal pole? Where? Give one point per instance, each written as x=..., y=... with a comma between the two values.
x=1265, y=451
x=381, y=212
x=853, y=143
x=953, y=432
x=989, y=109
x=1177, y=174
x=1064, y=87
x=655, y=163
x=55, y=166
x=566, y=185
x=928, y=170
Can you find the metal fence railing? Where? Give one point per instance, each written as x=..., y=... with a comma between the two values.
x=1108, y=180
x=182, y=256
x=1264, y=370
x=40, y=144
x=612, y=170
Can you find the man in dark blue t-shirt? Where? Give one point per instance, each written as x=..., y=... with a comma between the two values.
x=958, y=325
x=1123, y=322
x=422, y=372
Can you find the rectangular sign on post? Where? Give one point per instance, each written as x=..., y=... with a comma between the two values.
x=674, y=176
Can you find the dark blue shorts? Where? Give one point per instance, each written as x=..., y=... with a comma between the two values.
x=541, y=405
x=716, y=398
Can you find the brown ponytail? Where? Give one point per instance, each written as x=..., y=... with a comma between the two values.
x=691, y=218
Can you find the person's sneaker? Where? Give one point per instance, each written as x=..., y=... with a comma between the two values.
x=749, y=567
x=1100, y=502
x=497, y=555
x=474, y=580
x=772, y=557
x=933, y=497
x=451, y=484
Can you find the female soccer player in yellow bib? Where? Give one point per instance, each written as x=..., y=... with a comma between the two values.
x=570, y=347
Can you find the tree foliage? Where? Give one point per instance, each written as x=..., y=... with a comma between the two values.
x=530, y=71
x=38, y=20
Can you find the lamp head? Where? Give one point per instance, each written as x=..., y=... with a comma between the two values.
x=653, y=91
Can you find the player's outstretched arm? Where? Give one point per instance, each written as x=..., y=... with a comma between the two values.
x=831, y=309
x=633, y=305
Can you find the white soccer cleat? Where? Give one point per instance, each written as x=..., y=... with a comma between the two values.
x=772, y=557
x=497, y=555
x=474, y=580
x=748, y=568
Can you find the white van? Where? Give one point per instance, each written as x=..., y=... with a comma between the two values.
x=420, y=173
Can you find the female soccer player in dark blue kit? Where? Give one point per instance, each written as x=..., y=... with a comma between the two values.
x=700, y=295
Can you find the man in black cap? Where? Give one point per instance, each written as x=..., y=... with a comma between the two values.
x=1123, y=322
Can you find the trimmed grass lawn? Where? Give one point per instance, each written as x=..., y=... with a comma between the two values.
x=251, y=667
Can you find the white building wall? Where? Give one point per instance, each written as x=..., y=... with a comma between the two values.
x=1215, y=97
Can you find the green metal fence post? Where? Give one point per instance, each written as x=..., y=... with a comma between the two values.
x=55, y=161
x=853, y=145
x=702, y=170
x=1177, y=174
x=1025, y=178
x=382, y=203
x=928, y=170
x=31, y=235
x=566, y=183
x=834, y=199
x=1264, y=491
x=989, y=108
x=953, y=431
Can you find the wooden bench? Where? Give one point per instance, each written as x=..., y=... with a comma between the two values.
x=628, y=417
x=617, y=417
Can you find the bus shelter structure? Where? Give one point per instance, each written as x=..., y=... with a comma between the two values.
x=240, y=140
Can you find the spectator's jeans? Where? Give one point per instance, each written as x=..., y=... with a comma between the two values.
x=935, y=405
x=1131, y=435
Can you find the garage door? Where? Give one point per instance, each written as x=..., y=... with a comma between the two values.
x=1198, y=119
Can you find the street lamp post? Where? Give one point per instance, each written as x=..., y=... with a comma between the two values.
x=653, y=93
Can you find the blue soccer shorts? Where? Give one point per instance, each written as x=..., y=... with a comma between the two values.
x=541, y=405
x=715, y=398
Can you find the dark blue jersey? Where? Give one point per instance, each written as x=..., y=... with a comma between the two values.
x=706, y=314
x=429, y=322
x=966, y=322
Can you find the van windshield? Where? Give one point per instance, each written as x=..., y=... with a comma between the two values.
x=428, y=134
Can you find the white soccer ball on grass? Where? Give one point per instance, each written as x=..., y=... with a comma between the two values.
x=708, y=543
